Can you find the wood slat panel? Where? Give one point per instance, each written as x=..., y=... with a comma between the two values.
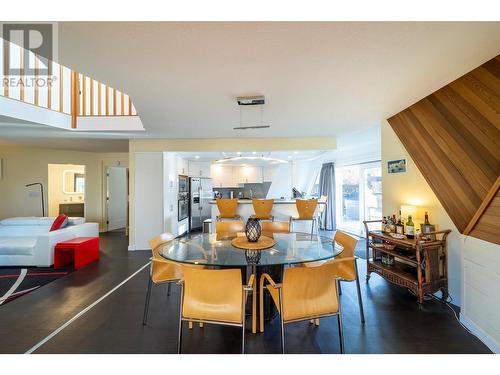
x=453, y=135
x=487, y=228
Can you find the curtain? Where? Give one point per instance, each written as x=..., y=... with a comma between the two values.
x=327, y=189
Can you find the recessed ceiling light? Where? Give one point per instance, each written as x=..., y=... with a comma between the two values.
x=254, y=152
x=295, y=152
x=289, y=156
x=196, y=157
x=239, y=152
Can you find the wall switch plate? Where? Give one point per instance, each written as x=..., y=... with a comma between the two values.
x=171, y=207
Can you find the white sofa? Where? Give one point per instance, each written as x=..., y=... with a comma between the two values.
x=26, y=241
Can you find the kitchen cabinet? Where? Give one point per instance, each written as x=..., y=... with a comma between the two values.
x=72, y=209
x=268, y=173
x=249, y=175
x=226, y=176
x=222, y=175
x=199, y=169
x=182, y=166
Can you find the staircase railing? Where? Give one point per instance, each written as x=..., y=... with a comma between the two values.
x=61, y=89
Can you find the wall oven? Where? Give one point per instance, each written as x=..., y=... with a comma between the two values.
x=183, y=207
x=183, y=184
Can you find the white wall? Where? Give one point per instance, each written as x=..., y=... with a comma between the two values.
x=23, y=165
x=473, y=265
x=148, y=219
x=156, y=193
x=304, y=174
x=281, y=185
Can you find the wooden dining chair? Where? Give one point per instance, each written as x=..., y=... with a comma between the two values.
x=161, y=270
x=214, y=297
x=228, y=229
x=344, y=266
x=271, y=227
x=305, y=294
x=263, y=209
x=227, y=209
x=306, y=209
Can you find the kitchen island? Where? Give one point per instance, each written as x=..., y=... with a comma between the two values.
x=282, y=210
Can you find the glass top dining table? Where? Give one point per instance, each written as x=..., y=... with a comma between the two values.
x=216, y=250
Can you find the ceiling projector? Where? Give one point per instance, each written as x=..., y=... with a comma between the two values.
x=250, y=100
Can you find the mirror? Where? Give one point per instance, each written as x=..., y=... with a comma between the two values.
x=73, y=182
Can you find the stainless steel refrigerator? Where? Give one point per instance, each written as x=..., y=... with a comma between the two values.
x=200, y=195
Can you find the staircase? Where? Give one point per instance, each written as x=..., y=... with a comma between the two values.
x=45, y=92
x=453, y=135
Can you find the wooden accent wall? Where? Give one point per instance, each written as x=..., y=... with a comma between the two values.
x=453, y=135
x=488, y=225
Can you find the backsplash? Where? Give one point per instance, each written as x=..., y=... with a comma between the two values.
x=248, y=191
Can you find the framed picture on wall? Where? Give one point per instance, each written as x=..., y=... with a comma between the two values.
x=396, y=166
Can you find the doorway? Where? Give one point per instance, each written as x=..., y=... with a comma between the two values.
x=66, y=190
x=359, y=196
x=116, y=198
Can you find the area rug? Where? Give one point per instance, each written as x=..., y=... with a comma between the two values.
x=16, y=282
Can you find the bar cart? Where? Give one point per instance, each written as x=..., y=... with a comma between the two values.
x=419, y=264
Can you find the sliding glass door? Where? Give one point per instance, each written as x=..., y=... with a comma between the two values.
x=359, y=196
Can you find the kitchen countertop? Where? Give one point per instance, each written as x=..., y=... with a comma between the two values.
x=276, y=201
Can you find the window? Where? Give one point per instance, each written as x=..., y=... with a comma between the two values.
x=315, y=188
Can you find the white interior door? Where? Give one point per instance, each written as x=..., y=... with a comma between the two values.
x=117, y=198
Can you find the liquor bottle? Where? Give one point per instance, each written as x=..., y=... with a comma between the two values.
x=384, y=224
x=410, y=228
x=392, y=225
x=399, y=225
x=426, y=227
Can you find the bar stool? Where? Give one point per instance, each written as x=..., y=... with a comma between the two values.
x=271, y=227
x=227, y=209
x=306, y=209
x=263, y=208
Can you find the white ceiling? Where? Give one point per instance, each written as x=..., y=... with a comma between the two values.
x=254, y=158
x=18, y=132
x=319, y=78
x=322, y=78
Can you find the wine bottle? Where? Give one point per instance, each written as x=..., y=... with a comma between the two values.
x=410, y=228
x=426, y=220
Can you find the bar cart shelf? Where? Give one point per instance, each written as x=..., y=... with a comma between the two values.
x=419, y=264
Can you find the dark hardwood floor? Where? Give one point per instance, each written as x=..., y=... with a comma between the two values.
x=394, y=324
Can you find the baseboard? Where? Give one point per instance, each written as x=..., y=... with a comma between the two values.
x=131, y=248
x=481, y=335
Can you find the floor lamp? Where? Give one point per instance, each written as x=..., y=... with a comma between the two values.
x=41, y=191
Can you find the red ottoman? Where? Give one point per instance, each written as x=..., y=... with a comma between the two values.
x=80, y=251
